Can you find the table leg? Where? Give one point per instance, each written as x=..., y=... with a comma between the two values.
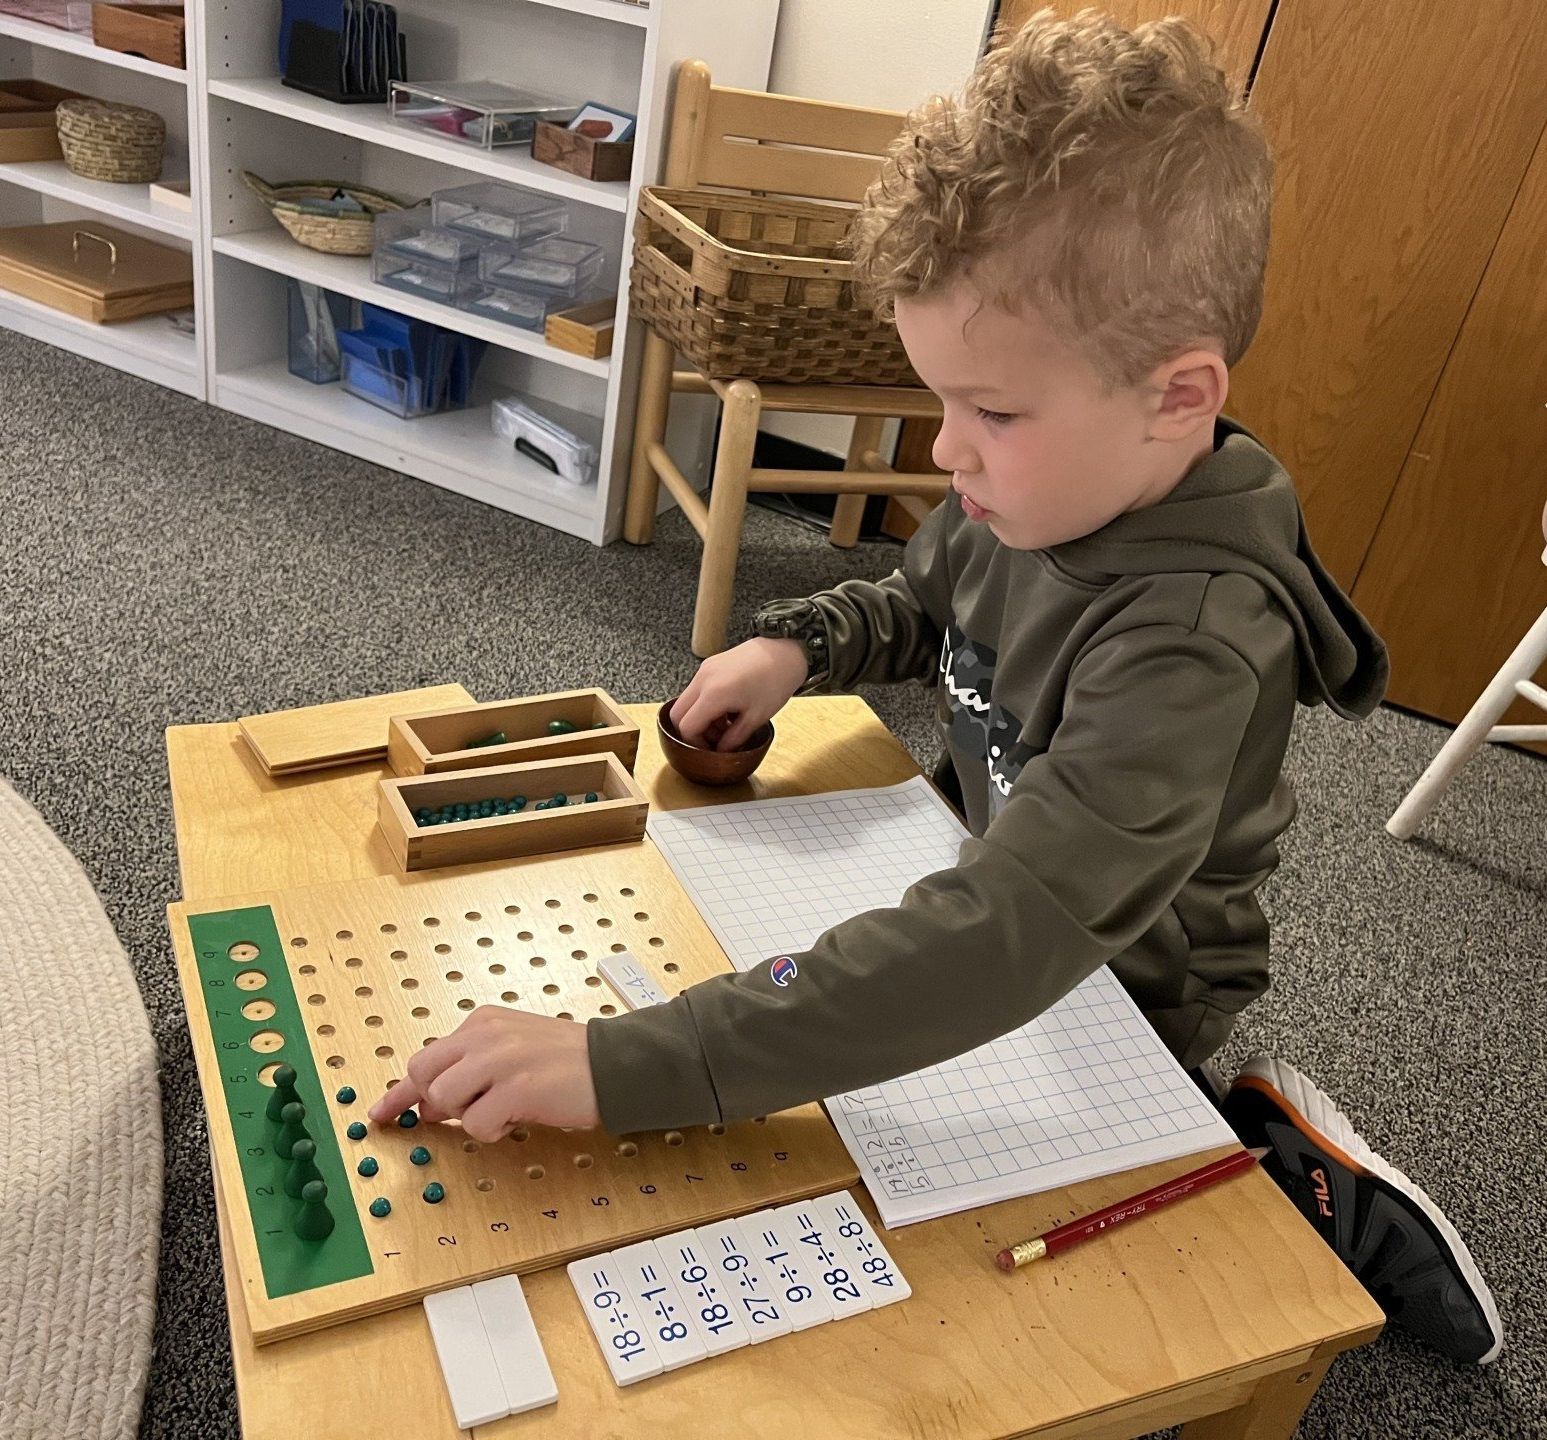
x=1273, y=1411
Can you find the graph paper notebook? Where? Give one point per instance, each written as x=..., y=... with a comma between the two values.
x=1085, y=1089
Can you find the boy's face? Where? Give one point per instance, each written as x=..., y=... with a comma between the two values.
x=1038, y=451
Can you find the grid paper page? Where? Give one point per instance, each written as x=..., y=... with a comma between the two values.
x=1085, y=1089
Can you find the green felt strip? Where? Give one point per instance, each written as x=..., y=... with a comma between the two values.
x=290, y=1264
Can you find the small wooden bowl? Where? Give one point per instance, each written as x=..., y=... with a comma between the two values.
x=710, y=767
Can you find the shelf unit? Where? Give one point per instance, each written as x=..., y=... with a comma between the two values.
x=231, y=113
x=46, y=191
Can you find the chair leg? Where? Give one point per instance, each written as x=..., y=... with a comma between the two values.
x=850, y=509
x=649, y=428
x=1471, y=734
x=727, y=511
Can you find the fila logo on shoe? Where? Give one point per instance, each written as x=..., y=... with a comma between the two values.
x=1323, y=1191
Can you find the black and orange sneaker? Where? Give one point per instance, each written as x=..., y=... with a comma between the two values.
x=1393, y=1237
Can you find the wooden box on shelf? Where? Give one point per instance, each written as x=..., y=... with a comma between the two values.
x=580, y=154
x=28, y=130
x=585, y=330
x=439, y=740
x=617, y=814
x=153, y=32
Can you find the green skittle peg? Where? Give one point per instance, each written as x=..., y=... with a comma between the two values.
x=303, y=1168
x=434, y=1192
x=284, y=1092
x=381, y=1207
x=315, y=1222
x=291, y=1128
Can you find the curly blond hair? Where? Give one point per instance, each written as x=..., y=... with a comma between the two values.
x=1107, y=178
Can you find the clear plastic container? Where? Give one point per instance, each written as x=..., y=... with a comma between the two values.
x=503, y=213
x=563, y=441
x=415, y=256
x=406, y=396
x=316, y=317
x=511, y=304
x=555, y=263
x=476, y=112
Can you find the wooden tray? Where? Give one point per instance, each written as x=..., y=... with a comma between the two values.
x=154, y=32
x=585, y=330
x=95, y=272
x=27, y=127
x=580, y=154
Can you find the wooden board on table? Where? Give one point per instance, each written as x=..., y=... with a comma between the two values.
x=345, y=732
x=360, y=976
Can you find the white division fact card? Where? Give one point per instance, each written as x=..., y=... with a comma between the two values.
x=1085, y=1089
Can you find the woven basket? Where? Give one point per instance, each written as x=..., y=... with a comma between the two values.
x=757, y=289
x=103, y=140
x=294, y=206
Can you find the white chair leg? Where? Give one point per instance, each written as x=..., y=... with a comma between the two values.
x=1472, y=733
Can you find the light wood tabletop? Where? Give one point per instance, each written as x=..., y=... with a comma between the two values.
x=1224, y=1311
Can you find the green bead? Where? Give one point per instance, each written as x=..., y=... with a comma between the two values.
x=346, y=1095
x=501, y=807
x=485, y=808
x=422, y=817
x=562, y=727
x=419, y=1155
x=367, y=1166
x=559, y=800
x=434, y=1192
x=590, y=797
x=518, y=803
x=356, y=1131
x=600, y=725
x=303, y=1168
x=291, y=1128
x=498, y=738
x=381, y=1207
x=408, y=1119
x=315, y=1222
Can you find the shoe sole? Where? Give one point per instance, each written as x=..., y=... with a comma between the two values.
x=1314, y=1115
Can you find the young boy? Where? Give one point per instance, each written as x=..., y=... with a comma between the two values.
x=1121, y=608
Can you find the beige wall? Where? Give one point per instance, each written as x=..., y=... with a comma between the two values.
x=884, y=53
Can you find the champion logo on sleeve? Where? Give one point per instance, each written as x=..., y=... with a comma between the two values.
x=782, y=971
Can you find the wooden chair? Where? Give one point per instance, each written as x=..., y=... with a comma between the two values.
x=747, y=141
x=1481, y=723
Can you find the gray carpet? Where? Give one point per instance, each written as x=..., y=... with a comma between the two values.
x=168, y=563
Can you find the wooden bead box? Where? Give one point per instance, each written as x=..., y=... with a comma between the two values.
x=457, y=739
x=617, y=814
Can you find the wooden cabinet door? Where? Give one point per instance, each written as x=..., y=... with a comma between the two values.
x=1402, y=131
x=1455, y=575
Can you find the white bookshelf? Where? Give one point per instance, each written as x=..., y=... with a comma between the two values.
x=230, y=113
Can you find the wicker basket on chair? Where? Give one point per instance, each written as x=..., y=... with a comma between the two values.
x=296, y=206
x=758, y=289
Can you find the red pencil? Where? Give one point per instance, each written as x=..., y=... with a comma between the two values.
x=1063, y=1236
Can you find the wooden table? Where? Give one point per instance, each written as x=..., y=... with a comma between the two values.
x=1226, y=1307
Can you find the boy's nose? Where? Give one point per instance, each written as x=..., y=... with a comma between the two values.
x=951, y=450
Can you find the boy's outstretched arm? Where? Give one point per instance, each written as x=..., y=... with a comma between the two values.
x=1097, y=836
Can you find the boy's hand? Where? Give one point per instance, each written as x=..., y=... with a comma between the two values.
x=736, y=692
x=500, y=1068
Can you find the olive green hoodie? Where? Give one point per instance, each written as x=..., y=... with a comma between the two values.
x=1115, y=711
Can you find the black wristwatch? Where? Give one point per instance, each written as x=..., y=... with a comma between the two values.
x=799, y=620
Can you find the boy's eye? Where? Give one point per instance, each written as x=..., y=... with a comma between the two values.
x=994, y=417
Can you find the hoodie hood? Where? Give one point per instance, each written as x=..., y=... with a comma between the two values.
x=1236, y=511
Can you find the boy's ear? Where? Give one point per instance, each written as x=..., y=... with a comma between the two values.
x=1188, y=392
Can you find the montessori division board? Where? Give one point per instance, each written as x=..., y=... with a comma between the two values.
x=342, y=983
